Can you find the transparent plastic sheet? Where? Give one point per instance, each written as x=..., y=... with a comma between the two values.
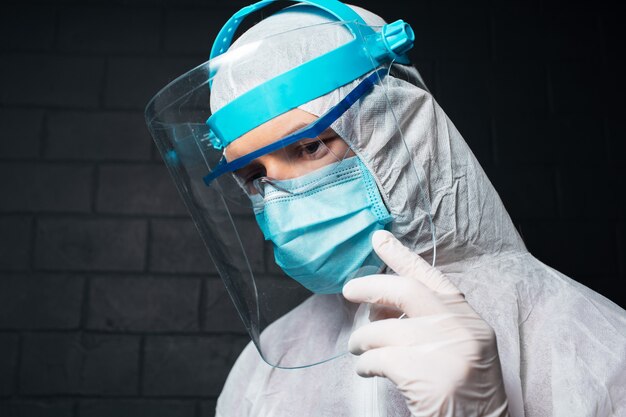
x=224, y=209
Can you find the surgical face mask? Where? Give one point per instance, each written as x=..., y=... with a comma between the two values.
x=321, y=224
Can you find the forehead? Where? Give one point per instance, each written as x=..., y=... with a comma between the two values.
x=269, y=132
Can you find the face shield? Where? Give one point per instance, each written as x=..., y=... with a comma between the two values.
x=284, y=199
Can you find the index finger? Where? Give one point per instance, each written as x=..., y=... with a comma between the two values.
x=405, y=262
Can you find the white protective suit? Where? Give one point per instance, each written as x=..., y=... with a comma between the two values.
x=562, y=346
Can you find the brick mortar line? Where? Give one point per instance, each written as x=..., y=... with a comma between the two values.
x=136, y=334
x=86, y=397
x=202, y=297
x=104, y=55
x=43, y=135
x=140, y=365
x=56, y=110
x=261, y=276
x=18, y=364
x=103, y=83
x=86, y=302
x=124, y=275
x=148, y=248
x=83, y=215
x=33, y=244
x=84, y=162
x=95, y=187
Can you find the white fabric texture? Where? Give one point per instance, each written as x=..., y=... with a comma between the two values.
x=562, y=346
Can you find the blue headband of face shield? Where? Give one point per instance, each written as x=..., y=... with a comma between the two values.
x=311, y=131
x=367, y=51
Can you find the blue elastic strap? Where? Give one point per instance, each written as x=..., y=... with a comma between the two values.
x=311, y=131
x=367, y=51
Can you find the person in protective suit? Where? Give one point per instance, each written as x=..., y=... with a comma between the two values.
x=461, y=321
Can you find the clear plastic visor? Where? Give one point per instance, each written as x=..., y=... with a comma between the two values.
x=278, y=204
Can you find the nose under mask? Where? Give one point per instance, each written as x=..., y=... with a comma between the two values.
x=321, y=224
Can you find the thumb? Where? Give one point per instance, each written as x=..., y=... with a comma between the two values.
x=407, y=263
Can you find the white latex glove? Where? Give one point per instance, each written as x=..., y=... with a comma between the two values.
x=442, y=357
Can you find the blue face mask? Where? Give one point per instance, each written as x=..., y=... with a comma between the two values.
x=321, y=224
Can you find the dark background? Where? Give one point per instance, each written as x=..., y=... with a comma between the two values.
x=109, y=305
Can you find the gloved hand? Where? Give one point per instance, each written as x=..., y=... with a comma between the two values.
x=442, y=357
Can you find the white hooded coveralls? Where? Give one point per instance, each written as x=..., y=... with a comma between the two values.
x=562, y=346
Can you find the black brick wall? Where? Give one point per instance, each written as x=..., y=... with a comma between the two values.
x=109, y=304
